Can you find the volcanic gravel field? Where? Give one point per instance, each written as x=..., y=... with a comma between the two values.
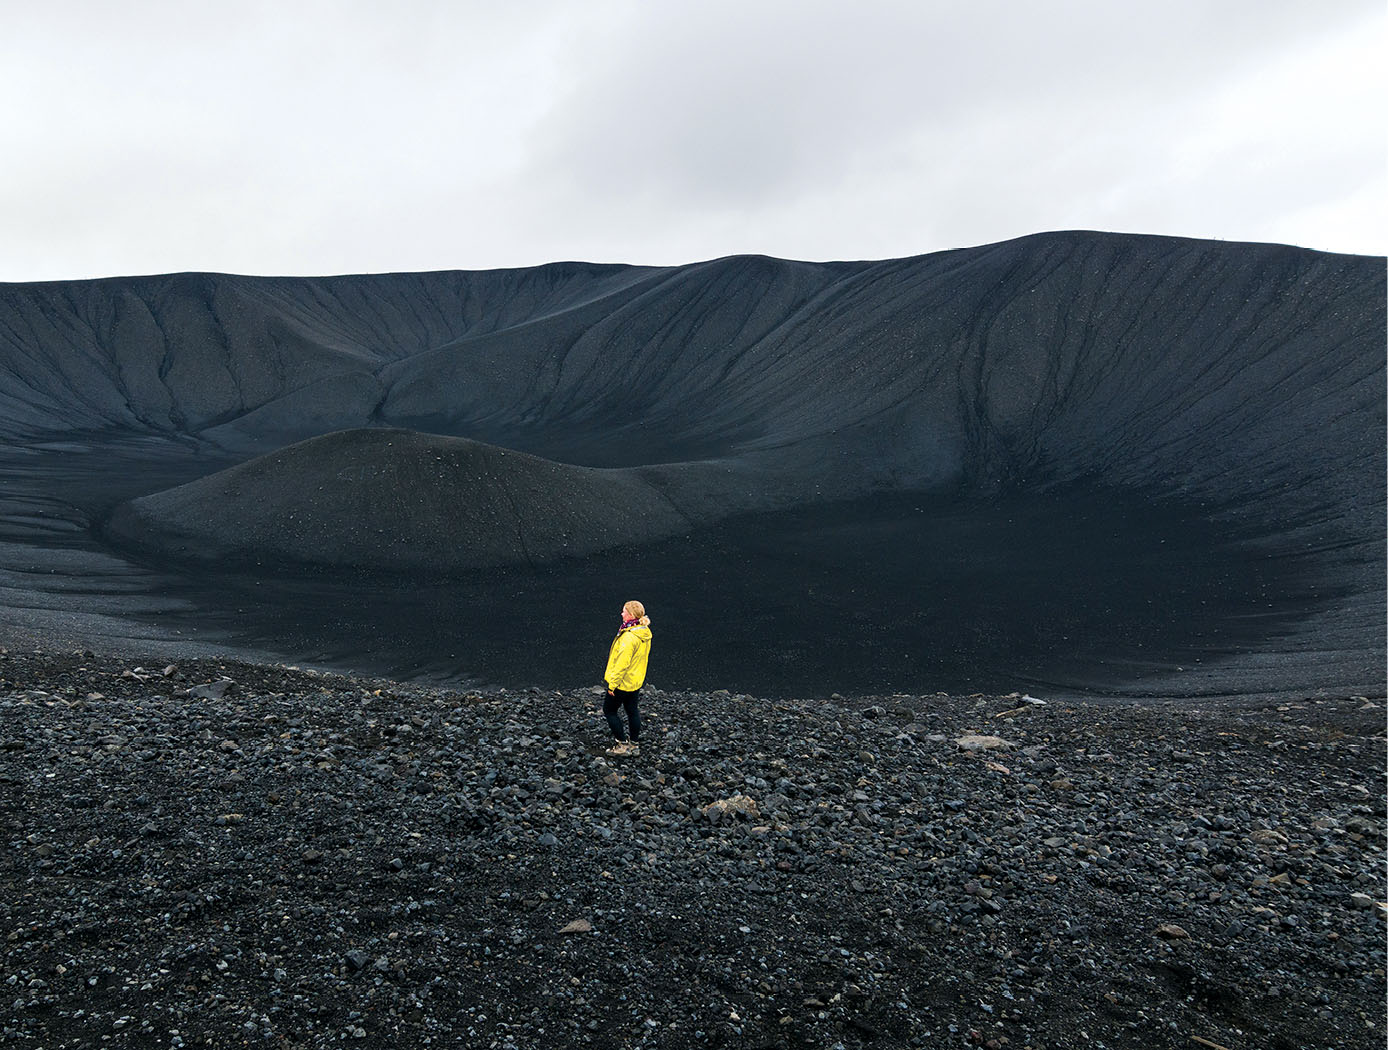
x=224, y=854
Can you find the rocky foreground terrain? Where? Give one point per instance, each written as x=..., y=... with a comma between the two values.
x=221, y=854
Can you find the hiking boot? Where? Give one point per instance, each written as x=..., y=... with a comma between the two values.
x=633, y=748
x=621, y=747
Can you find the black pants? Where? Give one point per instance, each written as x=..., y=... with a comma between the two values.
x=619, y=699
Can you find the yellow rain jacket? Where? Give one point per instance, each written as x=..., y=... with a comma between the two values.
x=626, y=663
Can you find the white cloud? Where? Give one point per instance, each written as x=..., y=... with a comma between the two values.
x=316, y=137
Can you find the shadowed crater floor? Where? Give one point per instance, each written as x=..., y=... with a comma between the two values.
x=1074, y=462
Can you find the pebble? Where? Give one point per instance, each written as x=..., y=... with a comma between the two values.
x=428, y=866
x=978, y=742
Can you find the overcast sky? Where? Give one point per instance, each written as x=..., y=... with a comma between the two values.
x=317, y=137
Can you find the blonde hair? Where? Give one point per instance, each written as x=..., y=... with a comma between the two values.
x=636, y=611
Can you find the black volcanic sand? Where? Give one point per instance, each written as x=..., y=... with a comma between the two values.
x=1144, y=466
x=1078, y=591
x=892, y=593
x=222, y=854
x=397, y=500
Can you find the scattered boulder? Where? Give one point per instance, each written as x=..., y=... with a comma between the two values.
x=735, y=805
x=981, y=742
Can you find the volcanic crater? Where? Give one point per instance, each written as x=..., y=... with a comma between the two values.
x=1080, y=462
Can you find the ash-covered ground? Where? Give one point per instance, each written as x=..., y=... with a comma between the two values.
x=222, y=854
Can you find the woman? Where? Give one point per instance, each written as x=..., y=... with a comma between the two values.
x=626, y=673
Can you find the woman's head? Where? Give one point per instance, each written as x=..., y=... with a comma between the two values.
x=635, y=611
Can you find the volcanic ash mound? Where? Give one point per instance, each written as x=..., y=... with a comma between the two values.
x=401, y=500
